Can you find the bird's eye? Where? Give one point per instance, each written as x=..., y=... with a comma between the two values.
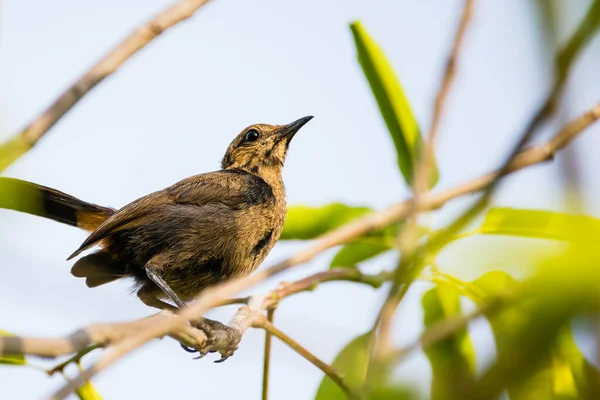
x=251, y=135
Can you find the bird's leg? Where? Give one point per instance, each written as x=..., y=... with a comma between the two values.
x=208, y=326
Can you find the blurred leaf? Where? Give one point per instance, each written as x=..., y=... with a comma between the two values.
x=533, y=335
x=394, y=392
x=585, y=375
x=11, y=359
x=88, y=392
x=541, y=224
x=392, y=101
x=354, y=253
x=304, y=222
x=504, y=324
x=453, y=359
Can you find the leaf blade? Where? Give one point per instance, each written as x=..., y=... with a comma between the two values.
x=393, y=103
x=452, y=359
x=306, y=222
x=353, y=253
x=540, y=224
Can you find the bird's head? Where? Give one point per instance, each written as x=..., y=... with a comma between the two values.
x=260, y=148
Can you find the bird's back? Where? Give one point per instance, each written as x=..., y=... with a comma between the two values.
x=201, y=231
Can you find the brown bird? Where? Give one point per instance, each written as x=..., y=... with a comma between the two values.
x=175, y=242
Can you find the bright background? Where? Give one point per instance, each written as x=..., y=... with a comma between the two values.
x=172, y=109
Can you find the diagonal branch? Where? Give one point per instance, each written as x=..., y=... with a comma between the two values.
x=218, y=294
x=408, y=239
x=15, y=147
x=326, y=368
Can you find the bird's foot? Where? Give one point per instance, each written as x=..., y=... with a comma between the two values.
x=220, y=338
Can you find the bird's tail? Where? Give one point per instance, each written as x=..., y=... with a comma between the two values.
x=49, y=203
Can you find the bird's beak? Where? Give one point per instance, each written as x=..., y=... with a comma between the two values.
x=288, y=131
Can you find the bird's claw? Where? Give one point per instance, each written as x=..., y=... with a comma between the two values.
x=223, y=358
x=216, y=332
x=189, y=349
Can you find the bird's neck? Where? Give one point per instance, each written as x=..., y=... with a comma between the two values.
x=271, y=174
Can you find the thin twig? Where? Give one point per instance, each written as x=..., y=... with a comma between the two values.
x=74, y=359
x=326, y=368
x=425, y=165
x=29, y=136
x=565, y=60
x=267, y=357
x=371, y=222
x=409, y=237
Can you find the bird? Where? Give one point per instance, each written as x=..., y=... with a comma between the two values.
x=175, y=242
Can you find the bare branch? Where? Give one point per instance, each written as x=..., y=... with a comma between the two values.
x=125, y=337
x=29, y=136
x=423, y=170
x=267, y=357
x=326, y=368
x=409, y=237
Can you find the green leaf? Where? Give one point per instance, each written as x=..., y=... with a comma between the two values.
x=573, y=374
x=19, y=195
x=393, y=104
x=453, y=359
x=564, y=374
x=88, y=392
x=11, y=359
x=304, y=222
x=352, y=363
x=353, y=253
x=541, y=225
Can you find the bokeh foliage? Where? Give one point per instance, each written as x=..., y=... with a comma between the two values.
x=530, y=319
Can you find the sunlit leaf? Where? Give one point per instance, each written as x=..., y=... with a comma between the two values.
x=584, y=374
x=393, y=104
x=504, y=324
x=541, y=225
x=11, y=359
x=88, y=392
x=304, y=222
x=354, y=253
x=21, y=196
x=453, y=359
x=551, y=366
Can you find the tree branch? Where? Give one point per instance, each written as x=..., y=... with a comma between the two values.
x=267, y=357
x=218, y=294
x=326, y=368
x=15, y=147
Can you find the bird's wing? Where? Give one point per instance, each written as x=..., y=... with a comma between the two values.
x=233, y=188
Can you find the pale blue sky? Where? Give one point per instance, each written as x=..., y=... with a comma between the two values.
x=173, y=108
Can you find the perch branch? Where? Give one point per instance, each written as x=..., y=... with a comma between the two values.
x=29, y=136
x=218, y=294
